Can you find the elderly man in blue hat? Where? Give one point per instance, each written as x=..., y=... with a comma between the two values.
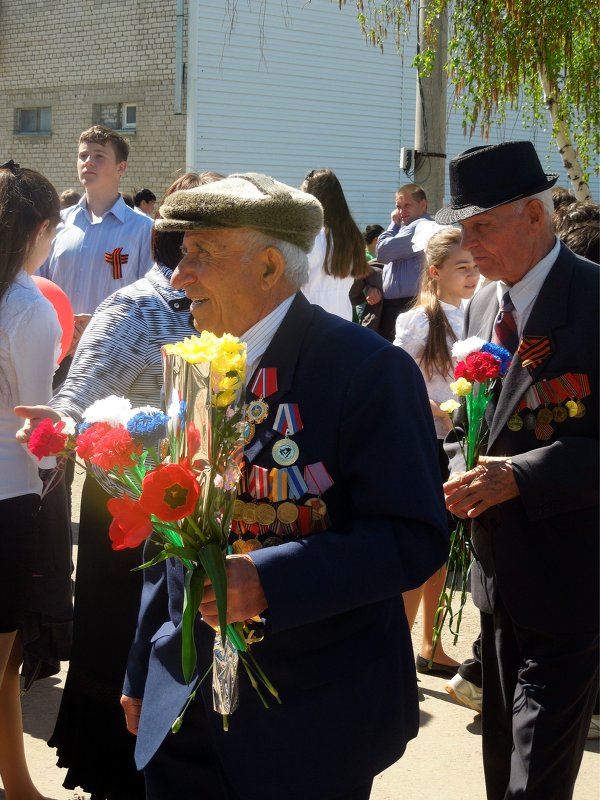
x=533, y=498
x=327, y=569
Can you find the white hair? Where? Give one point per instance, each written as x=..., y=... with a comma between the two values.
x=545, y=198
x=296, y=260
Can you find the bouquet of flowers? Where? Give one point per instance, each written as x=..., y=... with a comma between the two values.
x=173, y=477
x=480, y=365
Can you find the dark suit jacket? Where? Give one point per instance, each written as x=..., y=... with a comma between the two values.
x=337, y=646
x=540, y=550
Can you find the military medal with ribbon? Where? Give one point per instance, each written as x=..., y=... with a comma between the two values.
x=287, y=422
x=264, y=384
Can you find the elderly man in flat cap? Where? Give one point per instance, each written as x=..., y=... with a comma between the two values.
x=327, y=568
x=534, y=498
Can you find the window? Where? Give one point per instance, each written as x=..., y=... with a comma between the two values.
x=33, y=120
x=118, y=116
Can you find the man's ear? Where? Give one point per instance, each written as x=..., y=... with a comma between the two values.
x=272, y=268
x=536, y=214
x=122, y=168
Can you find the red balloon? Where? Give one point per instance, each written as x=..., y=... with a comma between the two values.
x=63, y=308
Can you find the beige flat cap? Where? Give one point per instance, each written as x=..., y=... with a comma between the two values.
x=245, y=201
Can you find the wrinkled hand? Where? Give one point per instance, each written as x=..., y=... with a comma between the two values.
x=132, y=706
x=33, y=416
x=245, y=596
x=373, y=296
x=491, y=482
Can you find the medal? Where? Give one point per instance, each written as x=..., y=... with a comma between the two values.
x=571, y=407
x=287, y=513
x=529, y=422
x=265, y=514
x=515, y=423
x=580, y=410
x=559, y=414
x=317, y=506
x=544, y=416
x=257, y=411
x=249, y=429
x=249, y=514
x=285, y=452
x=245, y=546
x=238, y=510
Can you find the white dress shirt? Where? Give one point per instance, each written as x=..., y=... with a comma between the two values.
x=259, y=336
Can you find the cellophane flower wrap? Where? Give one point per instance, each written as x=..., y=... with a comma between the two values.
x=479, y=366
x=173, y=479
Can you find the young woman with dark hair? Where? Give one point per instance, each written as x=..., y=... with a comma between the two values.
x=338, y=256
x=29, y=345
x=428, y=332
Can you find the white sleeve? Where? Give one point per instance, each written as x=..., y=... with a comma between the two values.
x=35, y=345
x=411, y=331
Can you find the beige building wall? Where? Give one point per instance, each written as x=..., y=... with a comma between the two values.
x=73, y=54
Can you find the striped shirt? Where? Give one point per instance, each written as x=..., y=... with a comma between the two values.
x=119, y=352
x=259, y=336
x=91, y=260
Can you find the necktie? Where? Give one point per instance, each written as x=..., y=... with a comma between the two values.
x=505, y=326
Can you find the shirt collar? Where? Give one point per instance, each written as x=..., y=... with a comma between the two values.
x=260, y=335
x=118, y=209
x=527, y=289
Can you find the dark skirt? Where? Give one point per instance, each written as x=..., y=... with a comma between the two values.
x=90, y=735
x=19, y=525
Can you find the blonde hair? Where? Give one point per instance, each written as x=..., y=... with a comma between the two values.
x=436, y=353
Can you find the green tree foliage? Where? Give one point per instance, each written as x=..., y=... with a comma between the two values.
x=498, y=53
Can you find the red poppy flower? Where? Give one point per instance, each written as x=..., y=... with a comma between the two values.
x=170, y=492
x=86, y=442
x=47, y=439
x=478, y=367
x=130, y=525
x=115, y=450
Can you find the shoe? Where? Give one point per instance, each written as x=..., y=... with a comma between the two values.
x=441, y=670
x=594, y=730
x=465, y=692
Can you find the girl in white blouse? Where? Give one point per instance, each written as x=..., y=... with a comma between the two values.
x=427, y=332
x=29, y=345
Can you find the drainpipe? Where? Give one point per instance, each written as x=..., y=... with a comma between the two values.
x=178, y=100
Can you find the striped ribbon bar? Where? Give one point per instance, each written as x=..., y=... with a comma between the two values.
x=258, y=482
x=279, y=485
x=556, y=390
x=287, y=419
x=296, y=484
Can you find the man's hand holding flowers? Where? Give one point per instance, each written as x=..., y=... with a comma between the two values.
x=245, y=595
x=492, y=481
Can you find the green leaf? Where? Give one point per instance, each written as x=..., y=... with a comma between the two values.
x=193, y=591
x=213, y=560
x=162, y=556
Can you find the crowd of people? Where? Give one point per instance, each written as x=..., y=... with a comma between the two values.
x=359, y=329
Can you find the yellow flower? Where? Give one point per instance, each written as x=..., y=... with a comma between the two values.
x=225, y=353
x=224, y=399
x=449, y=406
x=461, y=387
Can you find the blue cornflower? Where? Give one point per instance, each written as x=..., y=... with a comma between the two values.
x=503, y=356
x=83, y=426
x=148, y=427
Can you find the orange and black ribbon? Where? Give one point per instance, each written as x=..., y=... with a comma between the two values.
x=533, y=350
x=117, y=258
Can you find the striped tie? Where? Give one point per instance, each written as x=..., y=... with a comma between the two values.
x=505, y=326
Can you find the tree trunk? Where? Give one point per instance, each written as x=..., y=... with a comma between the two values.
x=567, y=152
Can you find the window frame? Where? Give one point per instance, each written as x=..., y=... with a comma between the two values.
x=39, y=111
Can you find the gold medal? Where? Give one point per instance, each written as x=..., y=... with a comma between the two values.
x=580, y=410
x=238, y=510
x=265, y=514
x=257, y=411
x=515, y=423
x=544, y=416
x=245, y=546
x=287, y=513
x=559, y=414
x=248, y=431
x=571, y=407
x=249, y=514
x=285, y=452
x=318, y=507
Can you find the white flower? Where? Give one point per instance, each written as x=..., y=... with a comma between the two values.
x=174, y=409
x=464, y=347
x=449, y=406
x=70, y=426
x=113, y=410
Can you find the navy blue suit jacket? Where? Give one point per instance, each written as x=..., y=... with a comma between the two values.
x=337, y=645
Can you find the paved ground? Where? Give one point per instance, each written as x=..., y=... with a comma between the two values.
x=443, y=763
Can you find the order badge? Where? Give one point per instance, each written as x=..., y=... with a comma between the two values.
x=285, y=452
x=257, y=411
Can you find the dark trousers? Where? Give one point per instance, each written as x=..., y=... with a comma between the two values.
x=539, y=692
x=470, y=669
x=186, y=766
x=389, y=314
